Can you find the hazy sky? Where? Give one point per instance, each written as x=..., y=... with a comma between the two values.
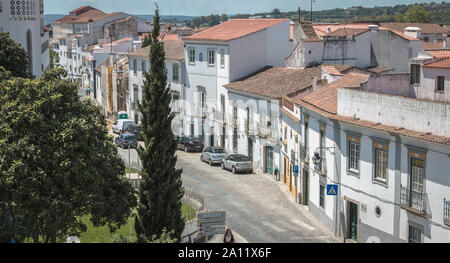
x=206, y=7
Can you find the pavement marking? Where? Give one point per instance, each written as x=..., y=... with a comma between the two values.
x=303, y=224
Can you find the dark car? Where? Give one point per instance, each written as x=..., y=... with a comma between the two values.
x=190, y=144
x=134, y=129
x=126, y=139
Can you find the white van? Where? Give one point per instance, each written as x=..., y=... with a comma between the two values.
x=121, y=125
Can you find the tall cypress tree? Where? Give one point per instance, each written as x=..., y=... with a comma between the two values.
x=160, y=191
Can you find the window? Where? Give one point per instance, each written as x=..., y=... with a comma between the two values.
x=211, y=57
x=415, y=234
x=440, y=83
x=202, y=99
x=1, y=7
x=417, y=175
x=353, y=154
x=222, y=58
x=143, y=67
x=136, y=93
x=191, y=55
x=322, y=149
x=415, y=74
x=135, y=67
x=322, y=196
x=200, y=57
x=381, y=151
x=176, y=73
x=235, y=141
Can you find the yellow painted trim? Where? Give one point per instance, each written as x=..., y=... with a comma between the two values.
x=353, y=139
x=380, y=146
x=417, y=155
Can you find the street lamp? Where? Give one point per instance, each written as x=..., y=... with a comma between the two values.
x=317, y=160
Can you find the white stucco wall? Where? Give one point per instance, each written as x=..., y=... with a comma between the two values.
x=396, y=111
x=427, y=89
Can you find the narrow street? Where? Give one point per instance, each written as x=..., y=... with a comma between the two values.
x=258, y=208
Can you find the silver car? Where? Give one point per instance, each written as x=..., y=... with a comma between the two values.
x=237, y=163
x=213, y=155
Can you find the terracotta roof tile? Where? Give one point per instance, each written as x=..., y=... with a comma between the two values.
x=438, y=54
x=326, y=97
x=426, y=28
x=332, y=70
x=348, y=32
x=377, y=126
x=444, y=63
x=274, y=82
x=234, y=28
x=432, y=45
x=174, y=50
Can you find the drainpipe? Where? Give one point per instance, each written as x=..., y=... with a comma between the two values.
x=95, y=78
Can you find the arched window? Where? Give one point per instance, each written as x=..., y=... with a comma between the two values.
x=30, y=51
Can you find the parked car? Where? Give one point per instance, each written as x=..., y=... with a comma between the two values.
x=126, y=139
x=237, y=163
x=120, y=125
x=190, y=143
x=134, y=129
x=213, y=155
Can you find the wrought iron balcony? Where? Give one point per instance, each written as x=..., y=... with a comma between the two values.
x=413, y=201
x=248, y=126
x=134, y=106
x=447, y=212
x=304, y=152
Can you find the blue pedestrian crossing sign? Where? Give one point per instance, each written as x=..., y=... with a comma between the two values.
x=295, y=169
x=332, y=189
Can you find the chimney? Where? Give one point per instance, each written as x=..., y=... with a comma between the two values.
x=446, y=41
x=415, y=32
x=299, y=14
x=314, y=83
x=328, y=30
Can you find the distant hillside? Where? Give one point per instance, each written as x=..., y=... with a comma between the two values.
x=439, y=11
x=50, y=18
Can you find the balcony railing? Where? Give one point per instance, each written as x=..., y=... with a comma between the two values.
x=304, y=152
x=413, y=201
x=447, y=212
x=134, y=106
x=248, y=126
x=234, y=122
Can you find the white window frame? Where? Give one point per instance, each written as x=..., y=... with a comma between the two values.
x=211, y=57
x=437, y=84
x=353, y=154
x=175, y=68
x=222, y=58
x=191, y=54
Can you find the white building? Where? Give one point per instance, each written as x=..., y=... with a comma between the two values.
x=390, y=168
x=430, y=75
x=254, y=116
x=361, y=45
x=220, y=55
x=176, y=77
x=24, y=20
x=90, y=22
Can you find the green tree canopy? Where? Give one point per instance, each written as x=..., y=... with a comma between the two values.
x=160, y=190
x=57, y=161
x=13, y=57
x=417, y=14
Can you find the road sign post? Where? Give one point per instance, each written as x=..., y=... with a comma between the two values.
x=332, y=189
x=211, y=223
